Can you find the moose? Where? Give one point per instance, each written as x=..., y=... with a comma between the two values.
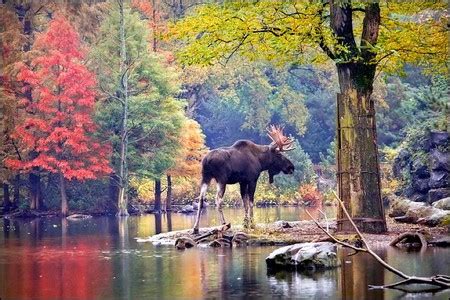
x=243, y=163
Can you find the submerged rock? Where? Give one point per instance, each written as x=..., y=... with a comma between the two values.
x=76, y=217
x=304, y=257
x=187, y=209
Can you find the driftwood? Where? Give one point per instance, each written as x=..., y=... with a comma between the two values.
x=410, y=239
x=189, y=241
x=438, y=282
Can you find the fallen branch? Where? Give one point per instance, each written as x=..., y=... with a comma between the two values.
x=440, y=282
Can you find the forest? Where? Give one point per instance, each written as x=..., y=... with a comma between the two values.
x=322, y=125
x=105, y=105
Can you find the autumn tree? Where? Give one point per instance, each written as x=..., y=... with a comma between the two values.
x=188, y=159
x=58, y=128
x=361, y=38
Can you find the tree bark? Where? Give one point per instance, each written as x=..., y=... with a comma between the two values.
x=35, y=189
x=358, y=174
x=6, y=198
x=122, y=202
x=17, y=184
x=62, y=188
x=169, y=193
x=157, y=207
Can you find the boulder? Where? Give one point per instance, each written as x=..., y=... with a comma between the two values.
x=418, y=197
x=438, y=194
x=404, y=210
x=442, y=204
x=419, y=169
x=401, y=162
x=421, y=185
x=439, y=179
x=439, y=138
x=304, y=257
x=439, y=160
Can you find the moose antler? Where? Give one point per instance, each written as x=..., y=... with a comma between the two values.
x=283, y=143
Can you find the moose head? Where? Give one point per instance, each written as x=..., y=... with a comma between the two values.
x=280, y=143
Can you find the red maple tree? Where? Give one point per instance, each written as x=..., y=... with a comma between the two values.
x=58, y=128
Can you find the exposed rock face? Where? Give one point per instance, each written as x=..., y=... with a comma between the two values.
x=304, y=257
x=429, y=177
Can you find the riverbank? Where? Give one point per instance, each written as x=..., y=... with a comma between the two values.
x=286, y=233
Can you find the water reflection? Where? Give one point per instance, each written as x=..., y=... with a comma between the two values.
x=99, y=258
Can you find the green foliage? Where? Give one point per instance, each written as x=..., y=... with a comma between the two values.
x=155, y=116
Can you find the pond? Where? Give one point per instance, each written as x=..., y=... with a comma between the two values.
x=50, y=258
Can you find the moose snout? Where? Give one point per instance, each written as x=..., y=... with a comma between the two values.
x=289, y=170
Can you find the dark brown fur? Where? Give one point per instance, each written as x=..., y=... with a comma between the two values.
x=241, y=163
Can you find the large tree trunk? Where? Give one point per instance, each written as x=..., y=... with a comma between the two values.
x=6, y=198
x=169, y=193
x=62, y=188
x=358, y=173
x=157, y=208
x=123, y=172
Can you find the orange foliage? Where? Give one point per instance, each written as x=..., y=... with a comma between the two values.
x=58, y=127
x=192, y=140
x=309, y=193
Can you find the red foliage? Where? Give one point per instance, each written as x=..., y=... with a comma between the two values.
x=309, y=193
x=59, y=125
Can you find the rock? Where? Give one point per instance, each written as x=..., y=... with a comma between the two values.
x=418, y=197
x=407, y=211
x=443, y=241
x=442, y=204
x=304, y=257
x=283, y=224
x=420, y=169
x=439, y=138
x=439, y=179
x=438, y=194
x=401, y=162
x=421, y=185
x=76, y=217
x=187, y=209
x=439, y=160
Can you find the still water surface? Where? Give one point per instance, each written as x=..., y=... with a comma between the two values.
x=50, y=258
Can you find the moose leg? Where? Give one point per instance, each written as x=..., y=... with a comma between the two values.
x=244, y=187
x=219, y=198
x=251, y=198
x=200, y=206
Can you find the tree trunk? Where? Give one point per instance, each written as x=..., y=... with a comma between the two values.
x=157, y=208
x=169, y=193
x=17, y=184
x=62, y=188
x=358, y=174
x=123, y=172
x=6, y=199
x=35, y=189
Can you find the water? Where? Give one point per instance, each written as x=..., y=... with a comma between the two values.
x=99, y=258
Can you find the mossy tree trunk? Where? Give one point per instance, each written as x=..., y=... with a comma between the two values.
x=358, y=173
